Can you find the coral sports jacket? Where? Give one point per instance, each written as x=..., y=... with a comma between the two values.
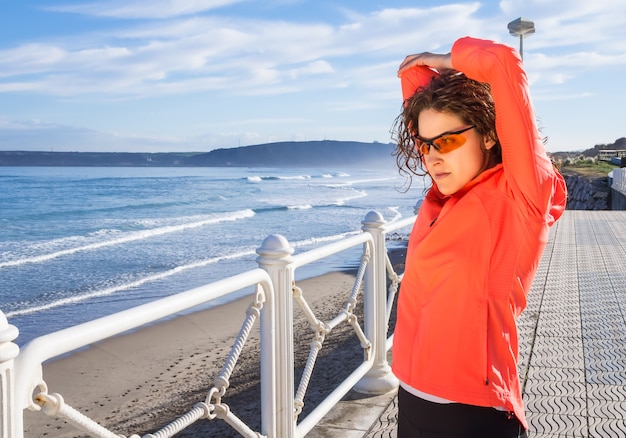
x=472, y=256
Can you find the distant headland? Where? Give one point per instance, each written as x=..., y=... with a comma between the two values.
x=324, y=153
x=283, y=154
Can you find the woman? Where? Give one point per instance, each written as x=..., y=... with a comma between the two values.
x=469, y=125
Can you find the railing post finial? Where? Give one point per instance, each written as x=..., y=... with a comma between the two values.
x=277, y=359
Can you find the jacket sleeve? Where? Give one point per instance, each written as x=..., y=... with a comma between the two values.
x=415, y=78
x=526, y=164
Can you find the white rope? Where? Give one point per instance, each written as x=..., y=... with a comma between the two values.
x=314, y=323
x=321, y=328
x=341, y=317
x=253, y=312
x=316, y=346
x=393, y=287
x=356, y=288
x=365, y=343
x=200, y=410
x=211, y=408
x=236, y=423
x=54, y=406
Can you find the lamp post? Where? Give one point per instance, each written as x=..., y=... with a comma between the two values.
x=521, y=27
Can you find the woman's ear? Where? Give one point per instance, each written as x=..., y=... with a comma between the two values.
x=488, y=141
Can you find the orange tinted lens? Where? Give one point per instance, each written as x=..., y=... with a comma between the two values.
x=449, y=142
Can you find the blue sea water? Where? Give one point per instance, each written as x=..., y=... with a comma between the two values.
x=79, y=243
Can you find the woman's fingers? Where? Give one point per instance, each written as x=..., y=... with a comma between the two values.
x=436, y=61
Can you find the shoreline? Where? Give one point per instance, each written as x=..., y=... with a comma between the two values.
x=140, y=381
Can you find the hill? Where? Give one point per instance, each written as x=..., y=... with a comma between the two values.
x=91, y=159
x=308, y=153
x=618, y=144
x=284, y=154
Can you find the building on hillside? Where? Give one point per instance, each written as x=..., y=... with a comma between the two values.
x=607, y=154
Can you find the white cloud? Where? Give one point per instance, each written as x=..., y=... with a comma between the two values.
x=576, y=62
x=539, y=97
x=30, y=58
x=20, y=125
x=145, y=59
x=132, y=9
x=575, y=8
x=318, y=67
x=184, y=49
x=35, y=135
x=582, y=24
x=264, y=53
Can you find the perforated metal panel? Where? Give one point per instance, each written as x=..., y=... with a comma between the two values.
x=572, y=349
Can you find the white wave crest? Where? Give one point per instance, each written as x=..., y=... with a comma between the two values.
x=126, y=286
x=323, y=239
x=299, y=207
x=131, y=237
x=396, y=214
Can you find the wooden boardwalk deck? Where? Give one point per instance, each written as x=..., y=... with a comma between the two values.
x=572, y=338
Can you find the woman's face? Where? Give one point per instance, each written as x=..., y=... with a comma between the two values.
x=452, y=170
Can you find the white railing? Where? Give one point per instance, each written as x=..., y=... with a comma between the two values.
x=619, y=180
x=23, y=385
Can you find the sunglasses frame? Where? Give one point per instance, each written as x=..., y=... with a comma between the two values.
x=431, y=141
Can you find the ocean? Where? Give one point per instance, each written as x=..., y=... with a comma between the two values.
x=80, y=243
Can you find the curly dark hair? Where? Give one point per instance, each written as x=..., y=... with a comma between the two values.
x=453, y=93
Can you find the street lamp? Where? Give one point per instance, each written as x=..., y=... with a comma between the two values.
x=521, y=27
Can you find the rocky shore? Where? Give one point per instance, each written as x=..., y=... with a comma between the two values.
x=587, y=192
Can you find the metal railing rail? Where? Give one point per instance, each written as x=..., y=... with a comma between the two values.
x=22, y=384
x=619, y=180
x=28, y=364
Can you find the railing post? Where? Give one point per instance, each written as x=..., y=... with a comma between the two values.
x=379, y=378
x=418, y=205
x=11, y=420
x=277, y=374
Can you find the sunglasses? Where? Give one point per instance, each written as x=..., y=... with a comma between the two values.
x=443, y=143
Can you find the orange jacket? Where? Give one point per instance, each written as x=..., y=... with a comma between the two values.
x=472, y=256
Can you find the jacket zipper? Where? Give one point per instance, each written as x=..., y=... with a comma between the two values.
x=487, y=347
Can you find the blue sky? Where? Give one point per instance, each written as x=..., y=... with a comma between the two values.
x=195, y=75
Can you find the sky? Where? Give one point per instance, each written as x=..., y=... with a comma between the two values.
x=196, y=75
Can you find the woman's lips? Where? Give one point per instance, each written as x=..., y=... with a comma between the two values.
x=441, y=175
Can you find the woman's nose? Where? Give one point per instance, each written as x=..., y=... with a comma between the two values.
x=432, y=157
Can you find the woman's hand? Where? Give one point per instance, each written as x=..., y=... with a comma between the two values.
x=433, y=60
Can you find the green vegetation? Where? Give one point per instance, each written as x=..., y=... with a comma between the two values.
x=587, y=166
x=586, y=163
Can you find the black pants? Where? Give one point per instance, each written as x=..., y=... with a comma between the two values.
x=418, y=418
